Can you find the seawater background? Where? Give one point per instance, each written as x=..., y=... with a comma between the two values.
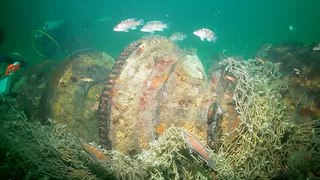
x=242, y=26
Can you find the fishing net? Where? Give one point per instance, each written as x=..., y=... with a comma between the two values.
x=250, y=133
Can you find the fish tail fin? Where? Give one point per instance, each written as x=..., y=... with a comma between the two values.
x=141, y=21
x=167, y=26
x=215, y=39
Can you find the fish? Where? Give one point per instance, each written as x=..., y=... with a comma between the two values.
x=95, y=152
x=153, y=26
x=86, y=79
x=205, y=33
x=197, y=147
x=297, y=71
x=230, y=78
x=128, y=24
x=178, y=36
x=291, y=28
x=316, y=47
x=52, y=25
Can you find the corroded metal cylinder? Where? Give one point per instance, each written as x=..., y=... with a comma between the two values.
x=72, y=92
x=153, y=85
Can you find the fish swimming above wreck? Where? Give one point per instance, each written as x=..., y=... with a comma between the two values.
x=205, y=34
x=128, y=24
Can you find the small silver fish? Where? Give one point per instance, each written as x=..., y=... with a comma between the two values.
x=297, y=71
x=205, y=33
x=316, y=47
x=86, y=79
x=178, y=36
x=291, y=28
x=153, y=26
x=128, y=24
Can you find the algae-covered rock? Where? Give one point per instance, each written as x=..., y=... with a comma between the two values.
x=73, y=89
x=300, y=64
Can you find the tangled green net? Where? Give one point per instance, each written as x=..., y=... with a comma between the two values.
x=262, y=138
x=49, y=151
x=265, y=137
x=38, y=150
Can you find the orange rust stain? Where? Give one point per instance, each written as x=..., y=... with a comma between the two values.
x=96, y=152
x=98, y=97
x=163, y=64
x=158, y=81
x=143, y=101
x=152, y=86
x=160, y=128
x=113, y=93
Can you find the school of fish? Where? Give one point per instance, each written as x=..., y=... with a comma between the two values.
x=153, y=26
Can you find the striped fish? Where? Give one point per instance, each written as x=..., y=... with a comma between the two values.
x=178, y=36
x=205, y=34
x=153, y=26
x=128, y=24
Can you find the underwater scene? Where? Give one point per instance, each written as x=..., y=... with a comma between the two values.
x=160, y=89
